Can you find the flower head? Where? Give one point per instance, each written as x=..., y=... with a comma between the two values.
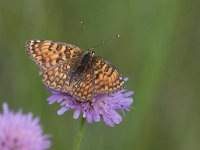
x=21, y=131
x=102, y=106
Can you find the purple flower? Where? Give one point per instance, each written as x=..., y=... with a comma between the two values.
x=102, y=106
x=21, y=132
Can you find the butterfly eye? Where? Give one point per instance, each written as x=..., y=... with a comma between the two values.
x=92, y=52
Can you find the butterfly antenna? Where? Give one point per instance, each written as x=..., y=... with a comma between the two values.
x=84, y=29
x=104, y=42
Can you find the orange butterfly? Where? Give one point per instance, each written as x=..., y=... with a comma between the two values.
x=66, y=68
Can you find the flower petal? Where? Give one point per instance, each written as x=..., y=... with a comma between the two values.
x=102, y=106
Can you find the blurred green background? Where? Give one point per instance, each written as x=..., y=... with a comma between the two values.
x=158, y=51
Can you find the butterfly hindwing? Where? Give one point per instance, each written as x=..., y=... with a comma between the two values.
x=83, y=87
x=58, y=77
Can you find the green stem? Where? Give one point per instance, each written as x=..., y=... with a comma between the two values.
x=79, y=135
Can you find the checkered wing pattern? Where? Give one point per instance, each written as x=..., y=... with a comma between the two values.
x=107, y=79
x=101, y=77
x=83, y=88
x=58, y=77
x=47, y=53
x=58, y=62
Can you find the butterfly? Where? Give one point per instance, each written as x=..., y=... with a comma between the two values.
x=68, y=69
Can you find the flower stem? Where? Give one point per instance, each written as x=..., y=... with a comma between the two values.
x=79, y=135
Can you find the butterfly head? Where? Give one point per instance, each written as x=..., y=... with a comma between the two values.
x=91, y=50
x=87, y=57
x=89, y=53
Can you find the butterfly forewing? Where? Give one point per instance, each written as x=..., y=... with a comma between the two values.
x=107, y=79
x=48, y=53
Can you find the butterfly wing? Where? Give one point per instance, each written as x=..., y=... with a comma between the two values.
x=47, y=53
x=99, y=78
x=58, y=78
x=107, y=78
x=83, y=87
